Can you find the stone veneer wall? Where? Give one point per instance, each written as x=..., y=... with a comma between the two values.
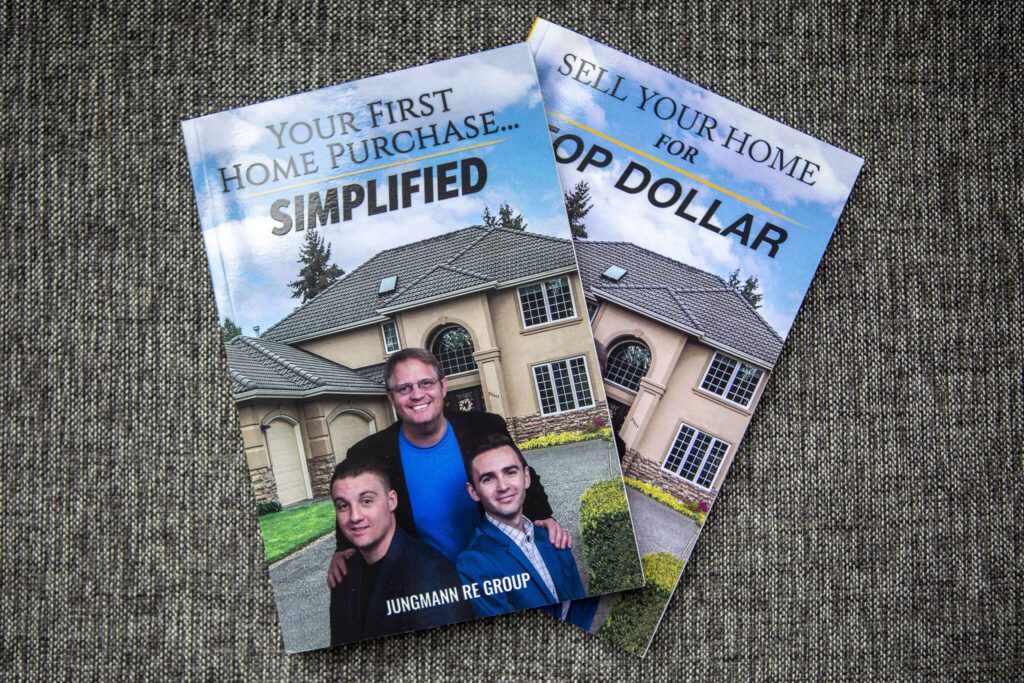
x=530, y=426
x=638, y=467
x=264, y=486
x=321, y=470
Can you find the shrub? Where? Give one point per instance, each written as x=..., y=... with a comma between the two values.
x=698, y=515
x=562, y=438
x=633, y=619
x=608, y=544
x=267, y=508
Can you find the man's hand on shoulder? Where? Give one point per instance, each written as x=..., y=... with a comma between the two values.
x=559, y=537
x=339, y=566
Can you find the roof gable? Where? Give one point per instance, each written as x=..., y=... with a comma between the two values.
x=685, y=297
x=433, y=269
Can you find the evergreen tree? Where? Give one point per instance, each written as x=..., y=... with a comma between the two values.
x=507, y=220
x=504, y=219
x=315, y=275
x=750, y=293
x=748, y=290
x=734, y=279
x=577, y=205
x=229, y=329
x=490, y=220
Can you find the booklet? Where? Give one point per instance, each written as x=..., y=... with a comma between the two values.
x=698, y=225
x=418, y=391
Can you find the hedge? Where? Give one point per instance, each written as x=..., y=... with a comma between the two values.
x=562, y=438
x=608, y=544
x=634, y=617
x=666, y=498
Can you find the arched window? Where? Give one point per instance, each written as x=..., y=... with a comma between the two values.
x=628, y=362
x=453, y=347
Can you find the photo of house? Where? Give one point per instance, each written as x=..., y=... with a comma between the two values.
x=688, y=358
x=502, y=309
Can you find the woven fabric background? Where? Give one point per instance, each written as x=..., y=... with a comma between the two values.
x=871, y=525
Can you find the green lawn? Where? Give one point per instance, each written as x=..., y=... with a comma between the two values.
x=286, y=531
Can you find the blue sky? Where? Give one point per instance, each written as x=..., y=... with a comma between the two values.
x=810, y=211
x=251, y=266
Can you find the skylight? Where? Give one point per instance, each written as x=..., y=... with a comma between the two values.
x=614, y=273
x=388, y=284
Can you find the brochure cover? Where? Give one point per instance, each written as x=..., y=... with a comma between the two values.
x=698, y=225
x=418, y=391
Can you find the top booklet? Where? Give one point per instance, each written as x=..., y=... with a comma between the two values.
x=698, y=226
x=419, y=396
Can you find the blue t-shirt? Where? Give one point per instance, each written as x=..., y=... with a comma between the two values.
x=444, y=513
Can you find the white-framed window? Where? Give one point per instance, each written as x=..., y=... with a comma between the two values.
x=389, y=330
x=628, y=362
x=453, y=346
x=731, y=379
x=563, y=385
x=592, y=310
x=695, y=456
x=546, y=302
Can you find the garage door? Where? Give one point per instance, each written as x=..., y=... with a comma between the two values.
x=346, y=429
x=286, y=462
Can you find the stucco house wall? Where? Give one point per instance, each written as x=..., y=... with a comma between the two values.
x=505, y=351
x=522, y=348
x=355, y=348
x=670, y=395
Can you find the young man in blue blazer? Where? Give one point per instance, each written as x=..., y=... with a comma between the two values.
x=511, y=560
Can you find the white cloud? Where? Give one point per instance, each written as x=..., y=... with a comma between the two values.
x=258, y=265
x=832, y=181
x=482, y=82
x=780, y=322
x=225, y=134
x=618, y=216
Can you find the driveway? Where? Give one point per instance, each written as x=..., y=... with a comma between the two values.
x=303, y=600
x=566, y=473
x=659, y=528
x=300, y=580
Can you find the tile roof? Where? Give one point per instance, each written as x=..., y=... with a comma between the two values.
x=686, y=297
x=374, y=373
x=431, y=269
x=259, y=367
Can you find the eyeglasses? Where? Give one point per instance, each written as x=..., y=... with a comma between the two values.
x=423, y=384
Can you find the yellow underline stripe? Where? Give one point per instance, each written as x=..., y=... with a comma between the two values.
x=375, y=168
x=655, y=159
x=535, y=22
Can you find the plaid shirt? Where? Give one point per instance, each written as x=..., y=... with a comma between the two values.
x=525, y=540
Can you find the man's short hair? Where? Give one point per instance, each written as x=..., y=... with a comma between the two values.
x=489, y=443
x=349, y=470
x=422, y=355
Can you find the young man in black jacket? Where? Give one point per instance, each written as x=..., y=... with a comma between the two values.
x=395, y=583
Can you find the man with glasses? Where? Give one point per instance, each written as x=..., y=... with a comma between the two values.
x=423, y=450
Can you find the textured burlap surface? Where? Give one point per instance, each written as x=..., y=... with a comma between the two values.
x=870, y=527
